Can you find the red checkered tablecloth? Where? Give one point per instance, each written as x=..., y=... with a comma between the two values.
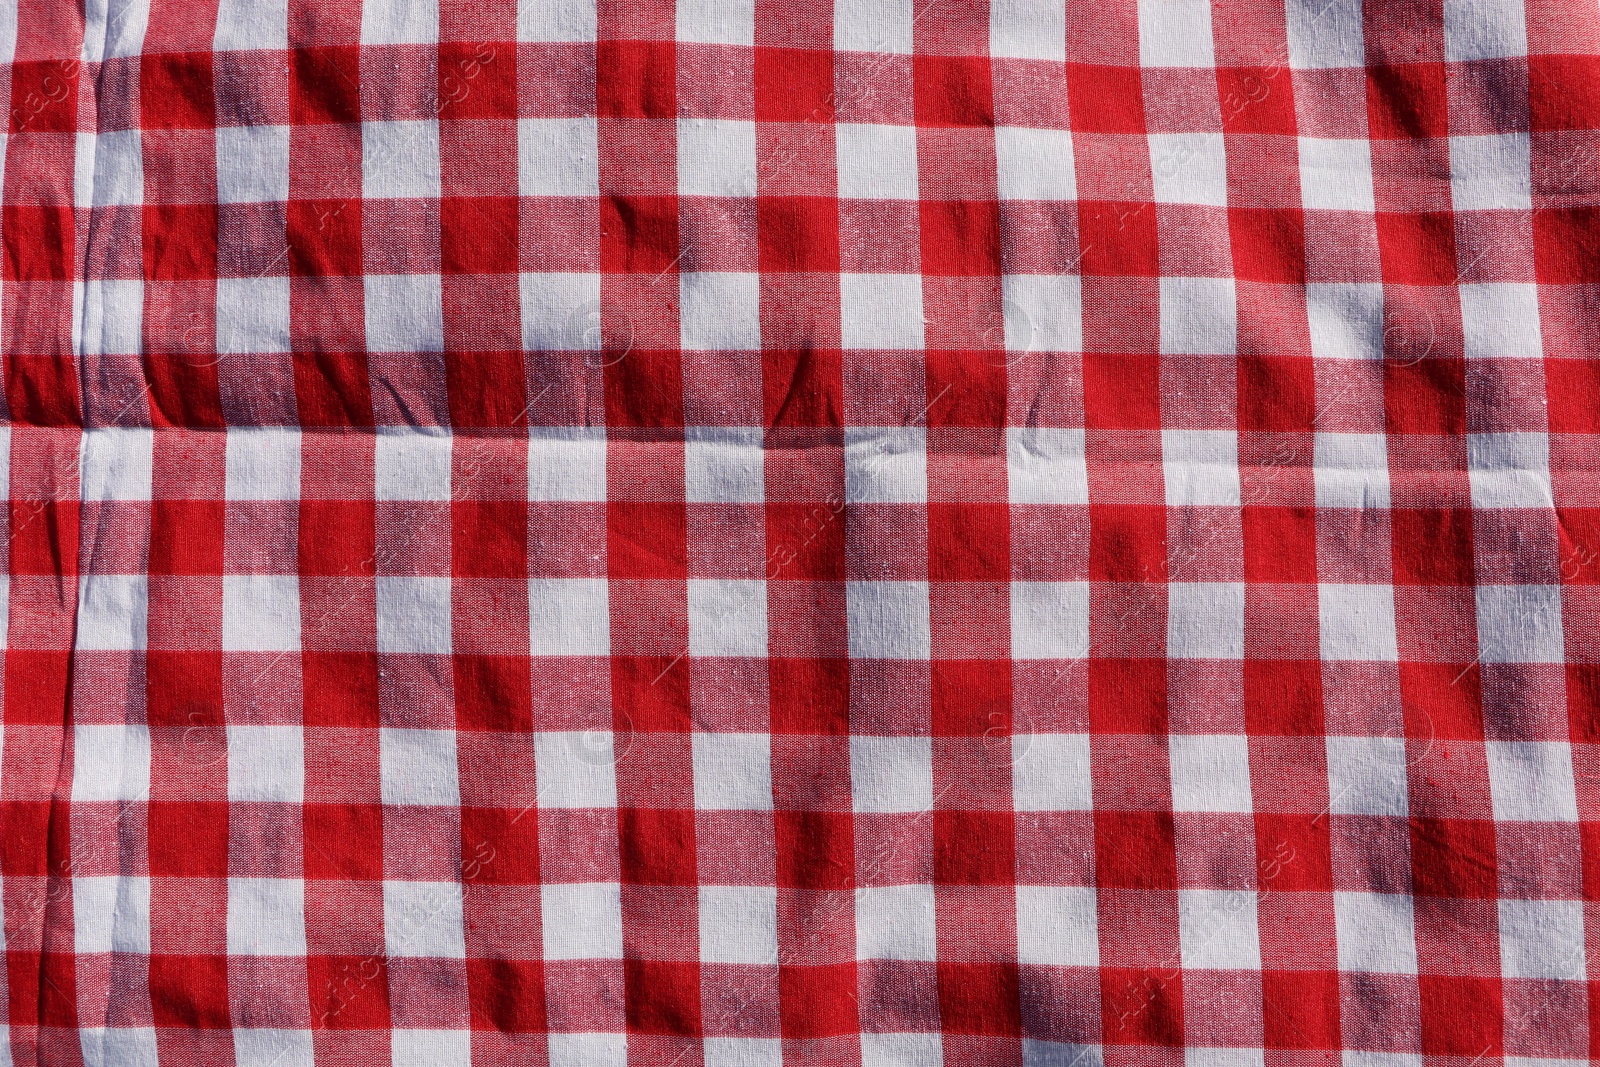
x=823, y=532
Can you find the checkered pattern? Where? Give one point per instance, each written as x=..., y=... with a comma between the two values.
x=737, y=532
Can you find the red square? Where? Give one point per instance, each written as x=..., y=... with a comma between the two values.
x=1583, y=703
x=38, y=243
x=639, y=235
x=188, y=839
x=980, y=998
x=183, y=391
x=1269, y=244
x=344, y=842
x=493, y=693
x=818, y=1001
x=190, y=991
x=973, y=848
x=1570, y=387
x=806, y=542
x=337, y=538
x=1563, y=92
x=490, y=537
x=1425, y=397
x=1407, y=101
x=341, y=689
x=1118, y=239
x=1134, y=850
x=1417, y=248
x=180, y=242
x=500, y=846
x=39, y=529
x=478, y=234
x=185, y=537
x=809, y=695
x=953, y=91
x=1300, y=1010
x=324, y=85
x=653, y=690
x=1128, y=696
x=1127, y=543
x=1441, y=702
x=793, y=85
x=348, y=992
x=1277, y=394
x=960, y=237
x=1293, y=853
x=1453, y=858
x=324, y=238
x=175, y=91
x=1566, y=245
x=662, y=998
x=816, y=850
x=1432, y=546
x=969, y=542
x=507, y=996
x=1283, y=698
x=44, y=96
x=636, y=79
x=183, y=689
x=1280, y=544
x=657, y=846
x=332, y=389
x=1142, y=1006
x=1461, y=1016
x=647, y=539
x=803, y=388
x=1257, y=100
x=1103, y=99
x=645, y=389
x=798, y=234
x=1121, y=392
x=487, y=389
x=971, y=698
x=43, y=990
x=477, y=80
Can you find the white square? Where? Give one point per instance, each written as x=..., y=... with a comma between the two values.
x=1028, y=29
x=1049, y=620
x=915, y=1049
x=1043, y=313
x=569, y=617
x=588, y=1050
x=891, y=774
x=117, y=1046
x=896, y=922
x=1034, y=164
x=1205, y=620
x=1520, y=624
x=117, y=463
x=252, y=316
x=1217, y=930
x=1484, y=29
x=1542, y=939
x=109, y=169
x=561, y=312
x=112, y=30
x=886, y=465
x=888, y=620
x=423, y=920
x=1189, y=168
x=252, y=164
x=716, y=157
x=727, y=617
x=1175, y=33
x=873, y=25
x=1346, y=319
x=111, y=915
x=405, y=313
x=110, y=762
x=260, y=612
x=262, y=463
x=558, y=157
x=266, y=763
x=1201, y=467
x=741, y=1052
x=1058, y=926
x=582, y=921
x=720, y=311
x=1326, y=33
x=108, y=316
x=1050, y=772
x=1491, y=172
x=430, y=1048
x=1374, y=932
x=399, y=22
x=1357, y=622
x=575, y=769
x=1367, y=776
x=548, y=21
x=411, y=464
x=1198, y=316
x=732, y=772
x=252, y=25
x=273, y=1048
x=418, y=767
x=723, y=465
x=738, y=924
x=1336, y=174
x=1201, y=1056
x=1046, y=466
x=882, y=311
x=414, y=616
x=1351, y=470
x=717, y=21
x=567, y=464
x=112, y=612
x=1210, y=772
x=400, y=160
x=266, y=917
x=879, y=162
x=1500, y=320
x=1509, y=470
x=1532, y=781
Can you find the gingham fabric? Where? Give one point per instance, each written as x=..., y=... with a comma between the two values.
x=740, y=532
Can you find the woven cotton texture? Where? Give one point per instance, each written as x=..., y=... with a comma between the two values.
x=825, y=532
